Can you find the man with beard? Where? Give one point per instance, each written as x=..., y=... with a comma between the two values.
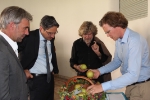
x=89, y=50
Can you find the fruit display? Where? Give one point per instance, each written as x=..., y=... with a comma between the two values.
x=75, y=89
x=77, y=86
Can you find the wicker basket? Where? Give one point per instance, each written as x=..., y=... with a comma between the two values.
x=82, y=85
x=68, y=88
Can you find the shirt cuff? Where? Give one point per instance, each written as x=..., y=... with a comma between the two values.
x=106, y=86
x=101, y=71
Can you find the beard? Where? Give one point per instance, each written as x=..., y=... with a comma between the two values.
x=19, y=39
x=87, y=41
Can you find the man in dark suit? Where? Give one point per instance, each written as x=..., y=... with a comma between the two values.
x=33, y=59
x=14, y=25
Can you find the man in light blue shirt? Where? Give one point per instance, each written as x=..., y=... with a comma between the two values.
x=131, y=54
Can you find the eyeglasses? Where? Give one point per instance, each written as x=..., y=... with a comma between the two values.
x=50, y=33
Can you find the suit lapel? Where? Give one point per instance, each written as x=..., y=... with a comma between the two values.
x=37, y=41
x=10, y=49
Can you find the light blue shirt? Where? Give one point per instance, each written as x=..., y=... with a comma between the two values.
x=40, y=64
x=132, y=55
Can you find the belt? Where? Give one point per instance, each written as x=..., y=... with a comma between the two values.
x=140, y=82
x=36, y=75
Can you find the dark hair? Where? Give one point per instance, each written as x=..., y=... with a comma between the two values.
x=87, y=26
x=48, y=22
x=114, y=19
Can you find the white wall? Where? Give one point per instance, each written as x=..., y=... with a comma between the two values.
x=70, y=14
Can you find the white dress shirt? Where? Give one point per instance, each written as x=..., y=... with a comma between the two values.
x=11, y=42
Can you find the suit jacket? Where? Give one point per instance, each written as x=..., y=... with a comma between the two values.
x=28, y=51
x=12, y=77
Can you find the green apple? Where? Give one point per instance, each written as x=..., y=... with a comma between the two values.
x=83, y=90
x=81, y=94
x=77, y=86
x=98, y=83
x=89, y=74
x=83, y=66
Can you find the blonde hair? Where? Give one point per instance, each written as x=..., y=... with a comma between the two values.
x=86, y=27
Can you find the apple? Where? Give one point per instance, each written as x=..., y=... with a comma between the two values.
x=89, y=74
x=83, y=66
x=83, y=90
x=77, y=86
x=81, y=94
x=98, y=83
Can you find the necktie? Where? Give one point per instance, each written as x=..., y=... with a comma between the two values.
x=47, y=63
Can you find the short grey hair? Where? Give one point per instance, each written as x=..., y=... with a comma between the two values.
x=13, y=14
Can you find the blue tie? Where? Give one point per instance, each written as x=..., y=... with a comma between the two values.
x=47, y=63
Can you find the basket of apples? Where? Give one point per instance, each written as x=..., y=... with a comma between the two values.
x=75, y=89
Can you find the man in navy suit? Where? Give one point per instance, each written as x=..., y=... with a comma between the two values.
x=33, y=59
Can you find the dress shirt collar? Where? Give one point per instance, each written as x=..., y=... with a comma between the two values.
x=125, y=36
x=10, y=41
x=41, y=36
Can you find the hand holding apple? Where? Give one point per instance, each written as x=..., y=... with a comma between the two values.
x=83, y=67
x=96, y=73
x=89, y=74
